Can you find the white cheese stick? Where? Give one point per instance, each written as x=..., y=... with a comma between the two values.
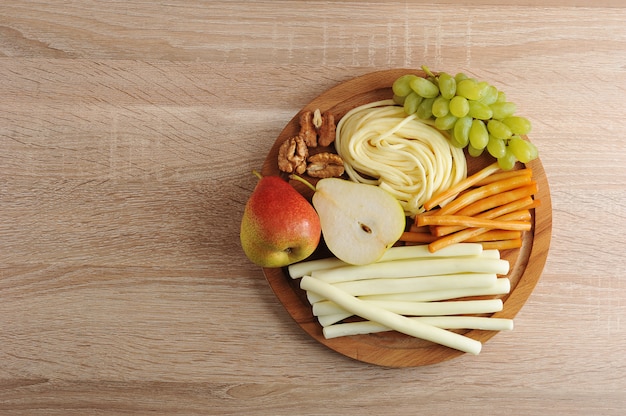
x=327, y=320
x=421, y=251
x=447, y=322
x=305, y=268
x=459, y=307
x=389, y=319
x=501, y=286
x=413, y=268
x=417, y=284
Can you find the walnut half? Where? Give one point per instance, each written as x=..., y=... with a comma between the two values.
x=292, y=155
x=326, y=131
x=317, y=128
x=325, y=165
x=308, y=130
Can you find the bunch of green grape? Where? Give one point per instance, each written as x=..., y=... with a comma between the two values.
x=474, y=113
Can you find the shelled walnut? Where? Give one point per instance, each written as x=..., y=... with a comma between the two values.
x=308, y=130
x=325, y=165
x=316, y=128
x=292, y=155
x=326, y=131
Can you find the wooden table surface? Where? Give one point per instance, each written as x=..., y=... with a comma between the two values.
x=128, y=131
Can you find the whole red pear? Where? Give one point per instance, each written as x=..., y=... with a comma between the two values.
x=279, y=226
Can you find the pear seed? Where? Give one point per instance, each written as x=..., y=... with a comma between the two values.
x=366, y=228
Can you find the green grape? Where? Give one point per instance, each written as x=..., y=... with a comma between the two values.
x=459, y=106
x=411, y=102
x=523, y=150
x=503, y=109
x=424, y=88
x=534, y=152
x=518, y=147
x=483, y=86
x=479, y=110
x=446, y=122
x=460, y=77
x=398, y=99
x=425, y=109
x=498, y=129
x=454, y=142
x=518, y=125
x=402, y=85
x=462, y=129
x=496, y=147
x=473, y=151
x=469, y=89
x=507, y=162
x=478, y=135
x=447, y=85
x=441, y=106
x=490, y=95
x=501, y=97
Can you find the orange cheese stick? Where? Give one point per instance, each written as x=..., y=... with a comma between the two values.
x=495, y=235
x=498, y=200
x=524, y=203
x=493, y=188
x=463, y=235
x=417, y=237
x=461, y=186
x=504, y=175
x=465, y=221
x=502, y=244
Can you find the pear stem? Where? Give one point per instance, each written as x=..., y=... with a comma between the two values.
x=257, y=174
x=304, y=181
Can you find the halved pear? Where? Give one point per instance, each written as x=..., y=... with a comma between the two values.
x=359, y=221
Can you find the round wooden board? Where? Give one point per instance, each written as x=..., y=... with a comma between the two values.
x=390, y=348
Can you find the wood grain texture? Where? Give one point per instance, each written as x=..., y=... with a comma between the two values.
x=127, y=131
